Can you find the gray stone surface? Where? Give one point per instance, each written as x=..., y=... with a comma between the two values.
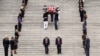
x=70, y=28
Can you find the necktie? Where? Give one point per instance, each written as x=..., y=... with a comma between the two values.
x=58, y=40
x=46, y=40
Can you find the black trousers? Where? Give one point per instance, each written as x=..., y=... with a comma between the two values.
x=59, y=49
x=87, y=51
x=6, y=51
x=52, y=16
x=56, y=24
x=46, y=49
x=19, y=26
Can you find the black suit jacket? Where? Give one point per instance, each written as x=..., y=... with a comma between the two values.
x=16, y=27
x=5, y=43
x=56, y=16
x=82, y=13
x=58, y=43
x=45, y=16
x=12, y=43
x=22, y=12
x=16, y=34
x=46, y=44
x=87, y=43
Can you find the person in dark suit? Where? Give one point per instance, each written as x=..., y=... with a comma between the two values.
x=82, y=12
x=85, y=18
x=58, y=43
x=46, y=43
x=81, y=3
x=19, y=22
x=19, y=26
x=23, y=6
x=12, y=45
x=16, y=27
x=17, y=34
x=25, y=1
x=15, y=45
x=56, y=19
x=87, y=46
x=6, y=45
x=22, y=9
x=84, y=29
x=83, y=38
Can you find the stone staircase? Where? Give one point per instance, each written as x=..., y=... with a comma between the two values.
x=70, y=27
